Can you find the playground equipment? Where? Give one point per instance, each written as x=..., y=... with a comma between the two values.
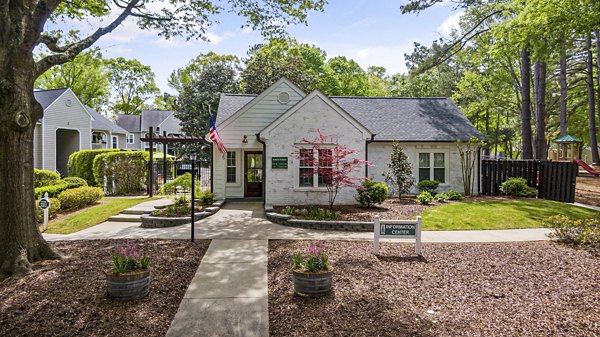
x=568, y=148
x=586, y=167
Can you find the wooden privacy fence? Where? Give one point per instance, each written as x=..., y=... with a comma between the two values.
x=554, y=180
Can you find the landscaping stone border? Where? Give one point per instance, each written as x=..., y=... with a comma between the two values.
x=150, y=221
x=350, y=226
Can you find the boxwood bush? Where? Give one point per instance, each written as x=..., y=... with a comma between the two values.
x=81, y=164
x=371, y=193
x=430, y=186
x=53, y=209
x=80, y=197
x=45, y=177
x=125, y=171
x=517, y=187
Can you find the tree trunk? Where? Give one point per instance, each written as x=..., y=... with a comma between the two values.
x=527, y=152
x=20, y=240
x=591, y=101
x=598, y=64
x=540, y=109
x=562, y=80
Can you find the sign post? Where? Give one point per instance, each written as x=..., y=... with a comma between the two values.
x=44, y=204
x=398, y=229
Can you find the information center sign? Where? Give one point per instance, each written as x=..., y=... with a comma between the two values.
x=398, y=229
x=279, y=162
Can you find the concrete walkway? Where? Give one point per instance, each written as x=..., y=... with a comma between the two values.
x=246, y=221
x=228, y=294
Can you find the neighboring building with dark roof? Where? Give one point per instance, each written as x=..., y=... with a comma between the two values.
x=137, y=126
x=270, y=124
x=105, y=133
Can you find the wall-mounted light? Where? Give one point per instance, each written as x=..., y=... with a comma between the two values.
x=245, y=140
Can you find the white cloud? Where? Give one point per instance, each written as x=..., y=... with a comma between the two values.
x=247, y=30
x=449, y=24
x=389, y=57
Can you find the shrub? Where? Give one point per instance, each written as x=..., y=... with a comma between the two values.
x=430, y=186
x=43, y=178
x=75, y=182
x=206, y=197
x=311, y=213
x=53, y=209
x=127, y=258
x=80, y=197
x=125, y=171
x=453, y=195
x=314, y=259
x=440, y=197
x=81, y=164
x=371, y=193
x=185, y=181
x=52, y=190
x=517, y=187
x=585, y=232
x=424, y=198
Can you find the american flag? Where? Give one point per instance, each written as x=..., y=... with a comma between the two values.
x=213, y=135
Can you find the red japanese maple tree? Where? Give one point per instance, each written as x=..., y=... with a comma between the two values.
x=334, y=164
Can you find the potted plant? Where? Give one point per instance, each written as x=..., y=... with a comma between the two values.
x=312, y=273
x=129, y=279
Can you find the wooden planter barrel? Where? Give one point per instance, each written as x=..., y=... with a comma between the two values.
x=312, y=284
x=128, y=286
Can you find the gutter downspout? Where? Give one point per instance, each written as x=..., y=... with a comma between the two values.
x=264, y=168
x=367, y=142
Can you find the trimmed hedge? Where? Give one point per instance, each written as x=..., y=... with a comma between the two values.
x=81, y=164
x=517, y=187
x=59, y=187
x=80, y=197
x=125, y=171
x=430, y=186
x=45, y=177
x=371, y=193
x=54, y=208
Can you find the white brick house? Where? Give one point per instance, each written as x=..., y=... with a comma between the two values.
x=260, y=133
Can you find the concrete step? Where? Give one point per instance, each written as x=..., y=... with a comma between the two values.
x=126, y=218
x=136, y=211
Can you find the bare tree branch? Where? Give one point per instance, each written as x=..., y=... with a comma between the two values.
x=72, y=50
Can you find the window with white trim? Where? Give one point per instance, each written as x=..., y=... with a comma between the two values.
x=432, y=166
x=130, y=138
x=231, y=167
x=306, y=169
x=325, y=166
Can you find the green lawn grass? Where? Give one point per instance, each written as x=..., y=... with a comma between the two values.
x=498, y=214
x=94, y=215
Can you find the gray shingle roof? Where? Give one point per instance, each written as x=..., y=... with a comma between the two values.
x=410, y=119
x=389, y=118
x=230, y=104
x=153, y=118
x=129, y=122
x=100, y=122
x=46, y=97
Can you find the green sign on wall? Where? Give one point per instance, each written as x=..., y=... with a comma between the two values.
x=279, y=162
x=398, y=230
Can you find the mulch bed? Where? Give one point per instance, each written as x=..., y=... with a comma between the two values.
x=68, y=297
x=587, y=190
x=499, y=289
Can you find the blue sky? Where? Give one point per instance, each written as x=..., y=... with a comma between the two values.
x=374, y=33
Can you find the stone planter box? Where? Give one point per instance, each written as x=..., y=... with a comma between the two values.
x=151, y=221
x=312, y=284
x=351, y=226
x=128, y=286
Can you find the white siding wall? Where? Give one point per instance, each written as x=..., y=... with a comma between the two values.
x=171, y=125
x=282, y=184
x=37, y=146
x=251, y=122
x=137, y=144
x=379, y=155
x=60, y=116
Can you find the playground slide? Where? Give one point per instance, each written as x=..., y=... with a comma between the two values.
x=587, y=167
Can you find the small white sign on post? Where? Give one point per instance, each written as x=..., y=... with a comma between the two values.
x=397, y=229
x=44, y=204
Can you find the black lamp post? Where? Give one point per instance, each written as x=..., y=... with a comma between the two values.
x=193, y=158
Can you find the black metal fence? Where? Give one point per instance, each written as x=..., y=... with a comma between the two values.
x=554, y=180
x=165, y=173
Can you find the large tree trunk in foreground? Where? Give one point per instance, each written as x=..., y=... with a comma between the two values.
x=562, y=80
x=598, y=66
x=540, y=109
x=20, y=240
x=591, y=101
x=527, y=152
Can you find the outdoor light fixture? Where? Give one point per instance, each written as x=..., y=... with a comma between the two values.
x=245, y=140
x=193, y=158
